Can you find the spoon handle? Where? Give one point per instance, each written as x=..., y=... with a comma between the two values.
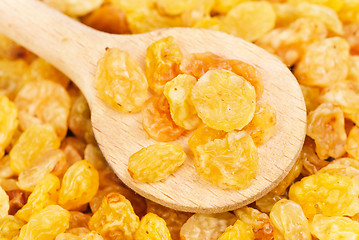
x=60, y=40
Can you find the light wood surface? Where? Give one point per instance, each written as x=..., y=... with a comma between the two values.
x=75, y=49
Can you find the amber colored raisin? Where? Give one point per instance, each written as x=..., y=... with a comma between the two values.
x=157, y=121
x=197, y=64
x=152, y=227
x=120, y=81
x=162, y=63
x=79, y=185
x=224, y=100
x=115, y=219
x=108, y=18
x=230, y=162
x=156, y=162
x=178, y=92
x=262, y=126
x=239, y=230
x=46, y=224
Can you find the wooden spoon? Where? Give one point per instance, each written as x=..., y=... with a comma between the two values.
x=75, y=49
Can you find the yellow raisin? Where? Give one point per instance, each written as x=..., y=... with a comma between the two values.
x=156, y=162
x=202, y=135
x=39, y=69
x=35, y=140
x=44, y=194
x=239, y=230
x=10, y=227
x=323, y=63
x=249, y=20
x=162, y=61
x=324, y=227
x=178, y=93
x=108, y=18
x=5, y=205
x=152, y=227
x=260, y=223
x=262, y=126
x=230, y=162
x=115, y=219
x=44, y=102
x=224, y=100
x=46, y=224
x=289, y=221
x=197, y=64
x=45, y=163
x=157, y=121
x=79, y=185
x=8, y=122
x=174, y=219
x=120, y=81
x=326, y=126
x=331, y=195
x=206, y=226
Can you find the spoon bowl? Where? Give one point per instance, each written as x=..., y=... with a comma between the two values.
x=75, y=49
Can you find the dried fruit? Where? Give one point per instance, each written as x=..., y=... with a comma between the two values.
x=40, y=70
x=44, y=102
x=45, y=193
x=157, y=121
x=120, y=81
x=18, y=199
x=249, y=20
x=262, y=126
x=250, y=73
x=323, y=63
x=108, y=18
x=74, y=7
x=10, y=227
x=197, y=64
x=156, y=162
x=230, y=162
x=115, y=219
x=330, y=195
x=152, y=227
x=162, y=61
x=239, y=230
x=290, y=42
x=8, y=122
x=224, y=100
x=11, y=77
x=206, y=226
x=178, y=92
x=174, y=219
x=79, y=185
x=46, y=224
x=35, y=140
x=79, y=120
x=4, y=200
x=289, y=221
x=311, y=162
x=344, y=94
x=326, y=126
x=259, y=222
x=343, y=167
x=43, y=164
x=324, y=227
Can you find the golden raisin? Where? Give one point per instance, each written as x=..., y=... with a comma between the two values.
x=157, y=121
x=224, y=100
x=156, y=162
x=162, y=63
x=178, y=93
x=120, y=81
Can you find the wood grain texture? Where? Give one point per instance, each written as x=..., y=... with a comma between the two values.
x=75, y=50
